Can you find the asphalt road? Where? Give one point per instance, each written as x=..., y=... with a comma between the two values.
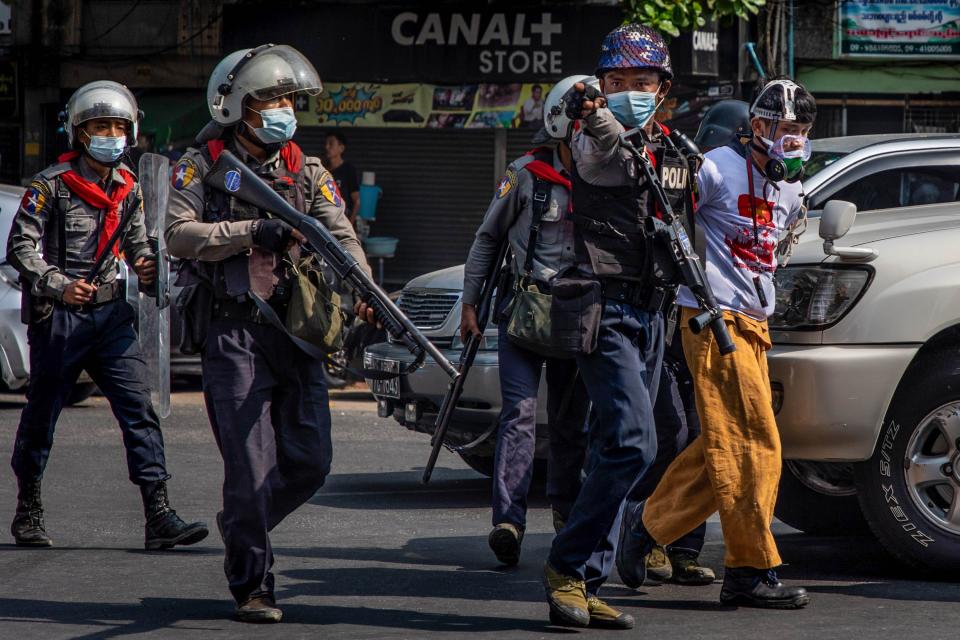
x=376, y=555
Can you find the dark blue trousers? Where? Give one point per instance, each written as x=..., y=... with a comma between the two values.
x=675, y=413
x=102, y=341
x=621, y=377
x=270, y=412
x=567, y=407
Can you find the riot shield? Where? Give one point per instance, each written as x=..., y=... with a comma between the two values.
x=154, y=307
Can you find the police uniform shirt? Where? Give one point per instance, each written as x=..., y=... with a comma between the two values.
x=724, y=213
x=510, y=213
x=36, y=225
x=597, y=154
x=189, y=237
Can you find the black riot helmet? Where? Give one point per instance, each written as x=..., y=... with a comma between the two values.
x=723, y=122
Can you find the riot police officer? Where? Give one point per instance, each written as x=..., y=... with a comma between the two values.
x=78, y=321
x=611, y=200
x=266, y=398
x=531, y=211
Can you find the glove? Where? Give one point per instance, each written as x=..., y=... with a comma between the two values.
x=272, y=235
x=574, y=100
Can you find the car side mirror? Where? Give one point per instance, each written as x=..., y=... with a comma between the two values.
x=837, y=218
x=835, y=222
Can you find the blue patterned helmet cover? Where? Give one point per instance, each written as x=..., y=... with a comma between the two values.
x=634, y=46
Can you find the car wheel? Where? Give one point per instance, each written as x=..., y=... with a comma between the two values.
x=910, y=489
x=481, y=464
x=820, y=498
x=81, y=391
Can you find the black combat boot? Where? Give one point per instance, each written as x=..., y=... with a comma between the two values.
x=27, y=527
x=164, y=528
x=634, y=547
x=760, y=588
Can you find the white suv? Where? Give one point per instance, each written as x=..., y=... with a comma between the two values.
x=866, y=360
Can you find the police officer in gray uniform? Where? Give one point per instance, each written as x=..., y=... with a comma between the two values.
x=77, y=322
x=531, y=204
x=266, y=398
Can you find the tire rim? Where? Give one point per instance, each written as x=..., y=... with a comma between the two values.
x=931, y=467
x=829, y=478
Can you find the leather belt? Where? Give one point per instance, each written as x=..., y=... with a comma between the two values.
x=105, y=293
x=640, y=295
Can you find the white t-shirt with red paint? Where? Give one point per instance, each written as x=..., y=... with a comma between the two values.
x=736, y=252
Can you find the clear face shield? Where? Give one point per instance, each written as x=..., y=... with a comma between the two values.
x=103, y=99
x=278, y=71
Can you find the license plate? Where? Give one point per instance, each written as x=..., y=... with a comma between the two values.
x=386, y=388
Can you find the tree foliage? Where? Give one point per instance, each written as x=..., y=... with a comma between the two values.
x=673, y=16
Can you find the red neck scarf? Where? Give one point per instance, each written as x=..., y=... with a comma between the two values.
x=290, y=153
x=93, y=195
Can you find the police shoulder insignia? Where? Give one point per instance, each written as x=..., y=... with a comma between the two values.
x=329, y=189
x=35, y=197
x=183, y=173
x=509, y=182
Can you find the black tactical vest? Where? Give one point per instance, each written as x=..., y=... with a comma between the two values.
x=231, y=277
x=610, y=221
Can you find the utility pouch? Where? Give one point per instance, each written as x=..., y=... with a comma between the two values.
x=314, y=313
x=194, y=306
x=33, y=309
x=529, y=324
x=575, y=315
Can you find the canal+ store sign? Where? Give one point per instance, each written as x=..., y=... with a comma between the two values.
x=516, y=44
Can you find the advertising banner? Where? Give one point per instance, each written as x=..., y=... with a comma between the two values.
x=364, y=104
x=900, y=28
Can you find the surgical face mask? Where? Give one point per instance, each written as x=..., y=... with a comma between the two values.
x=633, y=108
x=279, y=125
x=106, y=149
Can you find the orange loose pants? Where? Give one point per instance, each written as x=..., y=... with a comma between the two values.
x=734, y=466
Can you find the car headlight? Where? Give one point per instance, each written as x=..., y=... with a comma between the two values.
x=489, y=343
x=813, y=298
x=9, y=275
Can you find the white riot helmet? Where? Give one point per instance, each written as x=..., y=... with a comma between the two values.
x=556, y=124
x=101, y=99
x=266, y=72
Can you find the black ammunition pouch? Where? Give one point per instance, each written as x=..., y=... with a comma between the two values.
x=575, y=314
x=33, y=309
x=194, y=306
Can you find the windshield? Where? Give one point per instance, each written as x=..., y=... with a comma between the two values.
x=819, y=160
x=9, y=204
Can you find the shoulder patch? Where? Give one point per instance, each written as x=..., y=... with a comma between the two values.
x=509, y=182
x=183, y=173
x=328, y=188
x=35, y=197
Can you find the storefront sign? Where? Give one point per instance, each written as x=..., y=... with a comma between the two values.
x=900, y=28
x=705, y=59
x=362, y=104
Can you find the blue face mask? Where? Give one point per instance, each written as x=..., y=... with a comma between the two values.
x=633, y=108
x=279, y=125
x=106, y=149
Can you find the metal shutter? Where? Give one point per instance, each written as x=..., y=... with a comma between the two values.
x=436, y=188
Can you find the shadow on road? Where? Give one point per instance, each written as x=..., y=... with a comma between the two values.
x=449, y=489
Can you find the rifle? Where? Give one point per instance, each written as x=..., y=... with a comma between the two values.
x=671, y=231
x=470, y=348
x=112, y=240
x=234, y=178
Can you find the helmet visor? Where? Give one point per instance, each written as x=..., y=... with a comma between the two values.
x=102, y=100
x=279, y=71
